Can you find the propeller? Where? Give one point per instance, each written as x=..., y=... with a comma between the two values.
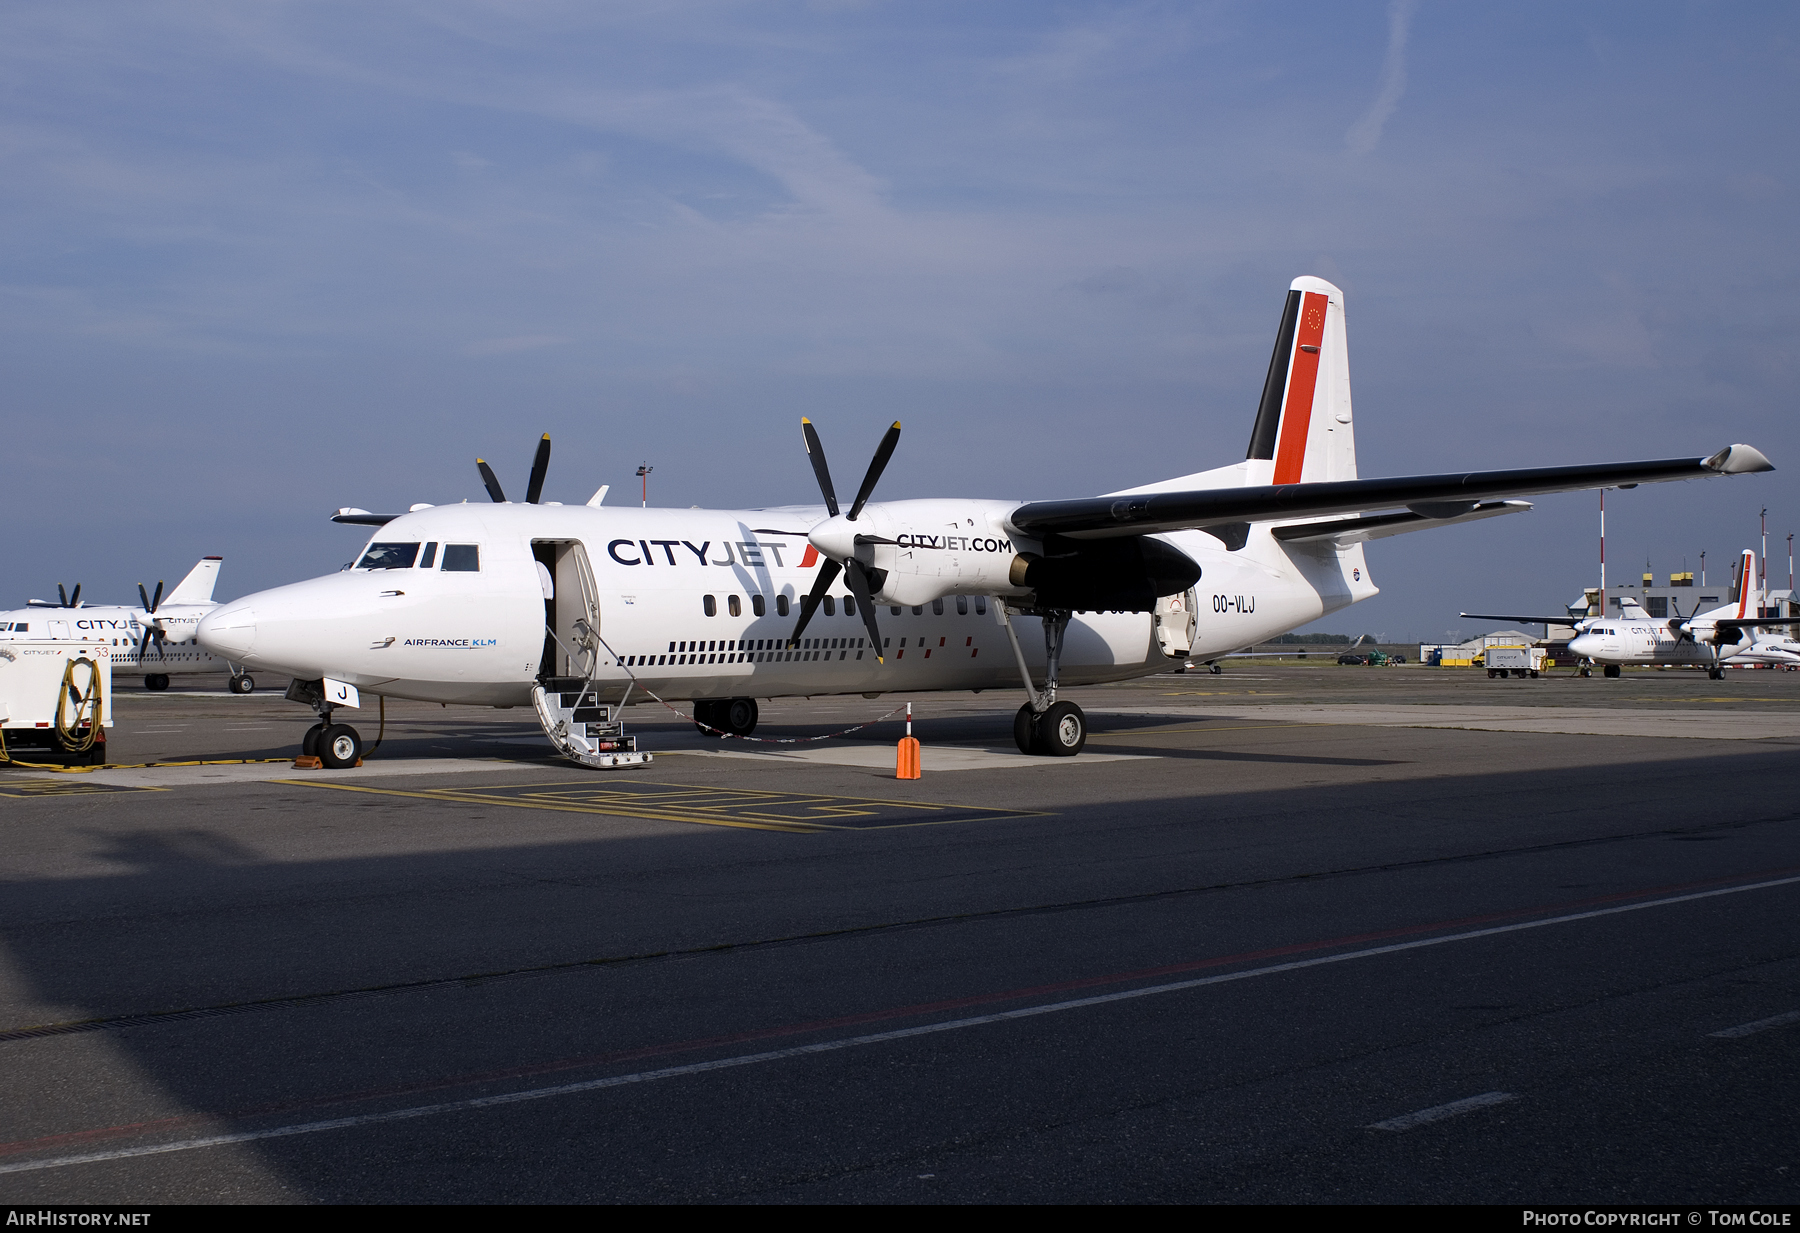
x=534, y=487
x=68, y=601
x=859, y=576
x=151, y=628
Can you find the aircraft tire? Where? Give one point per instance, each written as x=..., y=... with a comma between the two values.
x=1611, y=671
x=156, y=681
x=738, y=716
x=339, y=746
x=1062, y=730
x=1025, y=733
x=707, y=719
x=1217, y=669
x=309, y=744
x=241, y=684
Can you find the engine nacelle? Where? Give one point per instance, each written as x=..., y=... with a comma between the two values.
x=1127, y=574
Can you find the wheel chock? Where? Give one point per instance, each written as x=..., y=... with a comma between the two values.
x=305, y=762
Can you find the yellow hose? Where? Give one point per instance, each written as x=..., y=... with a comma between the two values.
x=89, y=702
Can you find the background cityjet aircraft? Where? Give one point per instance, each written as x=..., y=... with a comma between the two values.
x=573, y=608
x=156, y=638
x=1726, y=634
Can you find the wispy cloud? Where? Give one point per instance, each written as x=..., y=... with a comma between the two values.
x=1365, y=134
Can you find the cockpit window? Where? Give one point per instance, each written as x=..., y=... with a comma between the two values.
x=464, y=558
x=388, y=556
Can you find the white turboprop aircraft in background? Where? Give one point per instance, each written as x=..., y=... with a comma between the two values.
x=1729, y=634
x=575, y=608
x=156, y=637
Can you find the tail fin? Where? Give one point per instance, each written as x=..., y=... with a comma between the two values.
x=1304, y=433
x=197, y=587
x=1743, y=582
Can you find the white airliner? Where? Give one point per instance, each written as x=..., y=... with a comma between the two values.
x=576, y=608
x=156, y=638
x=1731, y=633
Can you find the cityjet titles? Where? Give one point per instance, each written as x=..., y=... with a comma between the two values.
x=955, y=543
x=751, y=553
x=453, y=644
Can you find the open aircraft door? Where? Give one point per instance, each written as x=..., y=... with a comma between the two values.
x=571, y=609
x=1176, y=622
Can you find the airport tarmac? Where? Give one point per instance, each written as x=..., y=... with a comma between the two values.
x=1290, y=934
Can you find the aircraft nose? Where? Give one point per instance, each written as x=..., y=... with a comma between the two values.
x=228, y=632
x=1583, y=644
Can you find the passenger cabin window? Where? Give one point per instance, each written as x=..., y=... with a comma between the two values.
x=710, y=604
x=962, y=605
x=757, y=606
x=734, y=605
x=981, y=605
x=781, y=605
x=430, y=557
x=849, y=605
x=462, y=558
x=388, y=556
x=830, y=606
x=937, y=607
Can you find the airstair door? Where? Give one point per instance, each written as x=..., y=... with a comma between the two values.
x=1175, y=624
x=571, y=609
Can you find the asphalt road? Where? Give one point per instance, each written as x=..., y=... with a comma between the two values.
x=1241, y=953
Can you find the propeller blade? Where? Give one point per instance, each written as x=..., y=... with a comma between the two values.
x=777, y=531
x=875, y=539
x=62, y=596
x=809, y=604
x=858, y=579
x=75, y=597
x=155, y=600
x=877, y=465
x=144, y=596
x=815, y=454
x=539, y=465
x=493, y=485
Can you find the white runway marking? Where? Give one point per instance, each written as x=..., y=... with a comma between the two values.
x=1761, y=1025
x=1438, y=1113
x=1721, y=725
x=875, y=1038
x=931, y=757
x=263, y=772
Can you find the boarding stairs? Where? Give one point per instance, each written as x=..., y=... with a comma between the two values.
x=583, y=728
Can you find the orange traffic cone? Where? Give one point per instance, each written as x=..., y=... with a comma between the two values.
x=906, y=763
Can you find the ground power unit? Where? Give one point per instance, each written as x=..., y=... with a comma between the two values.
x=55, y=698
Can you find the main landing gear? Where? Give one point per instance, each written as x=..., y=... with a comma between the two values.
x=1045, y=727
x=1610, y=671
x=736, y=716
x=335, y=745
x=241, y=684
x=1715, y=673
x=156, y=681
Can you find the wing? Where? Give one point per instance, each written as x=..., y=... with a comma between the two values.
x=1429, y=496
x=1529, y=620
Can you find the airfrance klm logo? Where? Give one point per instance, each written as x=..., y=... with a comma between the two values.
x=453, y=644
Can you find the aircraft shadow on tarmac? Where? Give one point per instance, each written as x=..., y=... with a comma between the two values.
x=283, y=984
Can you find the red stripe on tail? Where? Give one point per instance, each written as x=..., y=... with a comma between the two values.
x=1296, y=417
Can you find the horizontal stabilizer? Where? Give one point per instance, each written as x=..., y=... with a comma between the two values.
x=1381, y=526
x=362, y=518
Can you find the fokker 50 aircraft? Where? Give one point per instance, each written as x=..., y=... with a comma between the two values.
x=1728, y=634
x=573, y=608
x=157, y=637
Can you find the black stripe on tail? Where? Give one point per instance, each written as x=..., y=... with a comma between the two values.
x=1268, y=415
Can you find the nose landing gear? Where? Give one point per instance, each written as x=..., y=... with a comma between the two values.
x=335, y=745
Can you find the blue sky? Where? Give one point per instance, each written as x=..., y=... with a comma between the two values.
x=261, y=260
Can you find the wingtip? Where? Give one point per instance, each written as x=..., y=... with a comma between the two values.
x=1739, y=460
